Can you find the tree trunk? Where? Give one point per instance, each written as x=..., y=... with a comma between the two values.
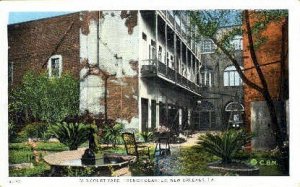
x=277, y=130
x=265, y=92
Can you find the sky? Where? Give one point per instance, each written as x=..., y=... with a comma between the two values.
x=17, y=17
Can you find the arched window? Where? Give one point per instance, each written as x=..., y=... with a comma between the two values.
x=231, y=77
x=235, y=111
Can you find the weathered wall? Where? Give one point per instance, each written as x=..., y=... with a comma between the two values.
x=263, y=138
x=91, y=82
x=116, y=69
x=32, y=43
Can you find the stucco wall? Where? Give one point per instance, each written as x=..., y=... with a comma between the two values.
x=116, y=71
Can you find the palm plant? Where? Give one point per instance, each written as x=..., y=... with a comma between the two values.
x=70, y=134
x=225, y=145
x=113, y=134
x=147, y=136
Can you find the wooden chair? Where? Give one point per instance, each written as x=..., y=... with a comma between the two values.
x=132, y=147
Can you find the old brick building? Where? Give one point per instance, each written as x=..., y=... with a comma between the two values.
x=33, y=43
x=273, y=61
x=141, y=68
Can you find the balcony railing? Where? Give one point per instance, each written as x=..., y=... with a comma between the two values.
x=178, y=28
x=151, y=69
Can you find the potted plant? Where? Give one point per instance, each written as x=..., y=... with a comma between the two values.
x=226, y=145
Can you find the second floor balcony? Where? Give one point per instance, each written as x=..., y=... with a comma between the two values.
x=156, y=68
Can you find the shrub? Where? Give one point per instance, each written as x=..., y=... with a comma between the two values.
x=112, y=134
x=224, y=145
x=70, y=134
x=19, y=146
x=34, y=130
x=40, y=98
x=12, y=132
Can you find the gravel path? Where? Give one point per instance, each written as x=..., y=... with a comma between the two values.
x=169, y=165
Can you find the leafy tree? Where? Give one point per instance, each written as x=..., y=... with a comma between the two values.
x=40, y=98
x=208, y=25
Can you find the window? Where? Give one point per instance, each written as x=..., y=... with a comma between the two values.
x=207, y=46
x=152, y=51
x=10, y=72
x=168, y=59
x=206, y=78
x=235, y=111
x=172, y=61
x=202, y=77
x=153, y=43
x=231, y=77
x=237, y=43
x=160, y=53
x=144, y=36
x=55, y=66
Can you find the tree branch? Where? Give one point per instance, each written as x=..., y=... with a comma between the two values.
x=237, y=67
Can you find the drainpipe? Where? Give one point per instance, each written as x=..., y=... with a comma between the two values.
x=98, y=38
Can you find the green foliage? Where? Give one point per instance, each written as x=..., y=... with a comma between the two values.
x=50, y=146
x=19, y=146
x=147, y=136
x=112, y=134
x=39, y=170
x=70, y=134
x=143, y=168
x=34, y=130
x=78, y=172
x=41, y=146
x=193, y=162
x=225, y=145
x=40, y=98
x=20, y=156
x=209, y=23
x=12, y=132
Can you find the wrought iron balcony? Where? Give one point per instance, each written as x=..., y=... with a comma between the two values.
x=160, y=70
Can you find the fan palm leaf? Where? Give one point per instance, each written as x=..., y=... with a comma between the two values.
x=224, y=145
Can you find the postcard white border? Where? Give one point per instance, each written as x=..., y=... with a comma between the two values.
x=75, y=5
